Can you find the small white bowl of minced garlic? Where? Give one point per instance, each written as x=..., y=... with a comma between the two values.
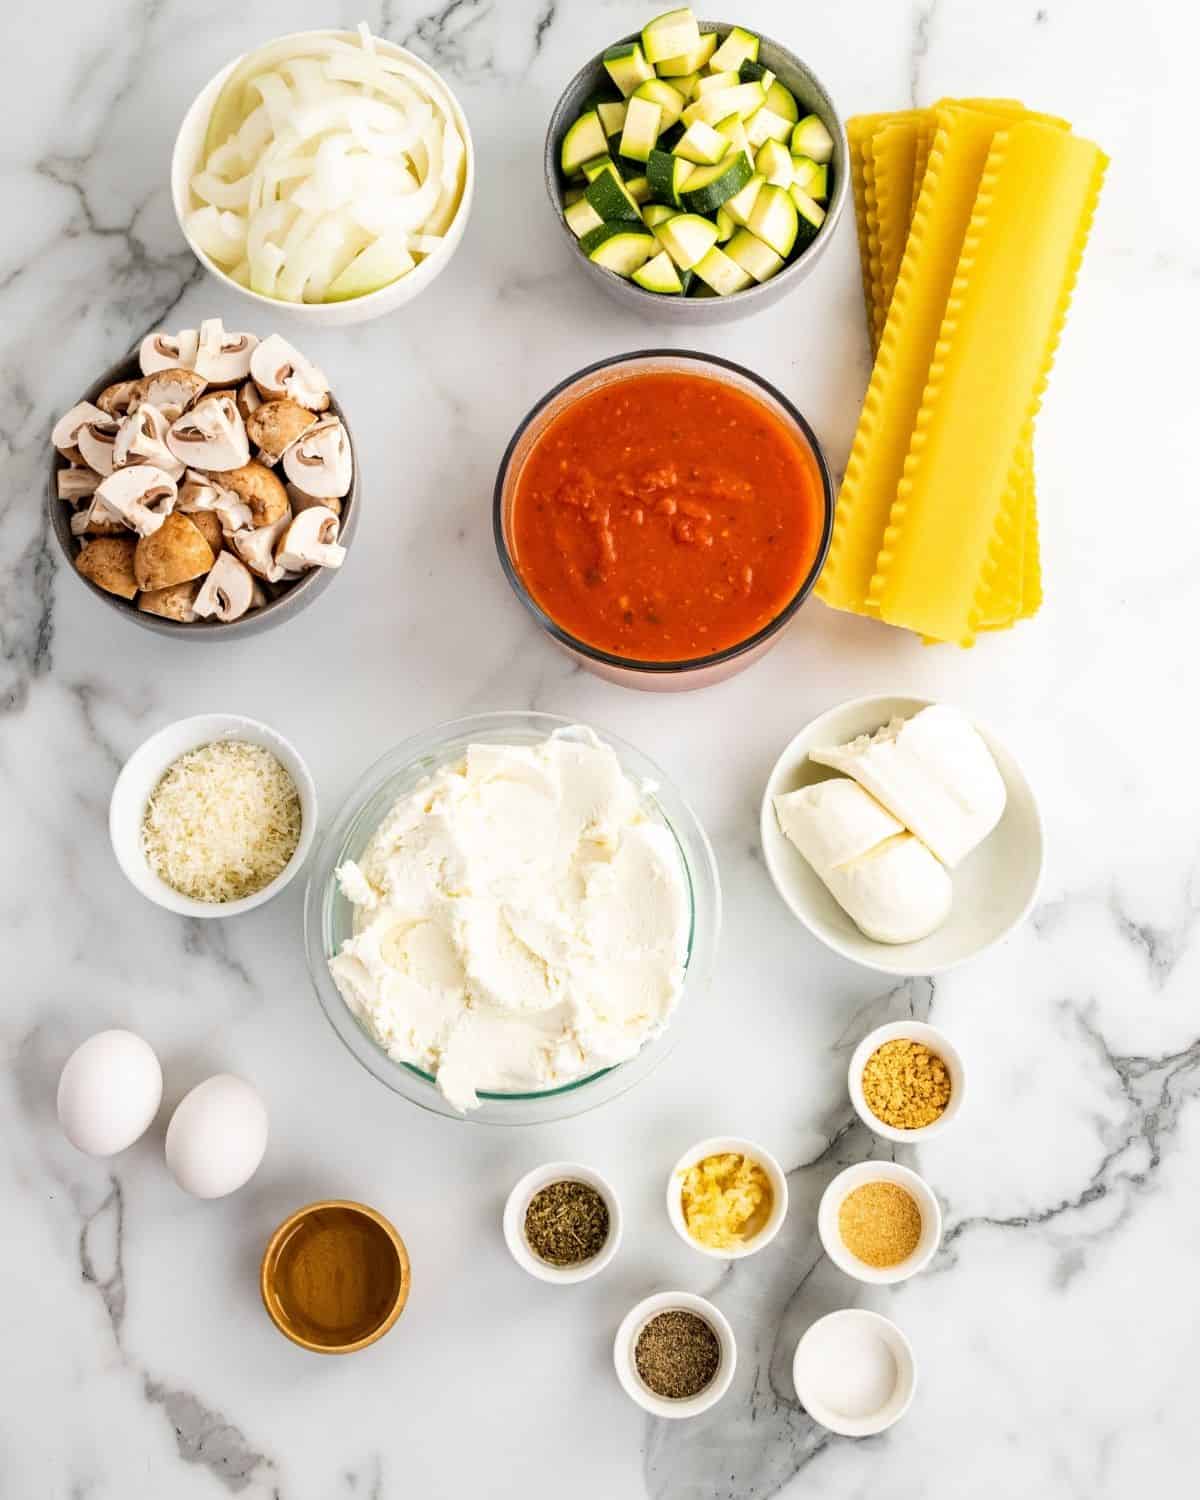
x=727, y=1197
x=213, y=815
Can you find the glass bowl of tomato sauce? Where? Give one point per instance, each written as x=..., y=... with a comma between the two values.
x=662, y=515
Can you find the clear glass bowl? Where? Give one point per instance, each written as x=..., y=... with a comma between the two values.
x=328, y=916
x=657, y=676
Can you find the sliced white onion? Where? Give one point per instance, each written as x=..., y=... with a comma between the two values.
x=341, y=168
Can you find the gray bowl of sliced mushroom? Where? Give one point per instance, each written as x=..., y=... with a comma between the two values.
x=208, y=482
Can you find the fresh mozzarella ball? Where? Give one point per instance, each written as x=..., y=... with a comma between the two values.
x=108, y=1092
x=217, y=1137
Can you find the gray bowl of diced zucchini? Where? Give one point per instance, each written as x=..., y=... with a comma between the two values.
x=697, y=166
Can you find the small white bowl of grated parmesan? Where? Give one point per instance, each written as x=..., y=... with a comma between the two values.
x=213, y=815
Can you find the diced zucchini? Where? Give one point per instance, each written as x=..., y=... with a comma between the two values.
x=725, y=276
x=638, y=189
x=752, y=255
x=804, y=172
x=818, y=186
x=581, y=218
x=673, y=34
x=611, y=199
x=687, y=238
x=642, y=121
x=668, y=138
x=620, y=247
x=583, y=140
x=667, y=175
x=738, y=47
x=709, y=187
x=782, y=101
x=707, y=82
x=597, y=97
x=741, y=101
x=810, y=138
x=686, y=83
x=659, y=275
x=741, y=205
x=690, y=62
x=766, y=125
x=734, y=132
x=810, y=215
x=666, y=96
x=626, y=65
x=774, y=219
x=612, y=116
x=754, y=72
x=572, y=195
x=725, y=225
x=775, y=163
x=657, y=213
x=592, y=169
x=702, y=144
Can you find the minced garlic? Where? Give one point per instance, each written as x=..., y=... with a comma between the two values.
x=223, y=822
x=726, y=1200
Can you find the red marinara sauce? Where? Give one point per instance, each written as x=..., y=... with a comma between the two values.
x=666, y=517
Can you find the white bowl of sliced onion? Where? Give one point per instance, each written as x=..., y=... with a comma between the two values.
x=328, y=171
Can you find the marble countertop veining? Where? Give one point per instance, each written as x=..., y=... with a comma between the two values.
x=1057, y=1329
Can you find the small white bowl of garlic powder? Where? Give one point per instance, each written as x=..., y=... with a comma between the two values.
x=213, y=815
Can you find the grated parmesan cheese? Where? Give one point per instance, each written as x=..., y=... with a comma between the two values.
x=223, y=822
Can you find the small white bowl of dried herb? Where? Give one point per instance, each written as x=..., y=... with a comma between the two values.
x=213, y=815
x=879, y=1223
x=675, y=1354
x=907, y=1081
x=562, y=1222
x=727, y=1197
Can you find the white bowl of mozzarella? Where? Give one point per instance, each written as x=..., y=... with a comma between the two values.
x=329, y=171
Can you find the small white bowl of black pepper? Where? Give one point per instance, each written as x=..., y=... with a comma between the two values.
x=562, y=1222
x=675, y=1354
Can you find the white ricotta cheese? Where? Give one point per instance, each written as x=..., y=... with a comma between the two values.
x=520, y=920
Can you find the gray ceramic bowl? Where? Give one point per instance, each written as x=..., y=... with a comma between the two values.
x=812, y=97
x=291, y=601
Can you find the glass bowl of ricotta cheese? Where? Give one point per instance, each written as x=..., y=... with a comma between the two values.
x=510, y=918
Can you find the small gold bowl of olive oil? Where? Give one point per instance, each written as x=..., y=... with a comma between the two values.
x=335, y=1276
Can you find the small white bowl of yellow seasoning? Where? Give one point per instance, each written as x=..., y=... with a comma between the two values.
x=562, y=1223
x=879, y=1222
x=854, y=1372
x=727, y=1197
x=675, y=1354
x=213, y=815
x=907, y=1081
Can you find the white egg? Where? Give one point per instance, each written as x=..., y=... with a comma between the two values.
x=217, y=1137
x=108, y=1092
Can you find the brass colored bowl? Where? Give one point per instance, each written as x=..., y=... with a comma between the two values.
x=335, y=1276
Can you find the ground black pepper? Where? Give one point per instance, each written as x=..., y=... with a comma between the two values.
x=677, y=1354
x=566, y=1223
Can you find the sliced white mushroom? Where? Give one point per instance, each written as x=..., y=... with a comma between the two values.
x=211, y=435
x=223, y=358
x=300, y=501
x=255, y=546
x=280, y=370
x=172, y=391
x=259, y=596
x=204, y=492
x=166, y=351
x=142, y=439
x=97, y=519
x=120, y=398
x=95, y=441
x=76, y=483
x=249, y=399
x=65, y=436
x=319, y=463
x=172, y=603
x=141, y=494
x=311, y=542
x=275, y=425
x=228, y=591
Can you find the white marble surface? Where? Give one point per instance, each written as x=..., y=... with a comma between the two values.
x=1057, y=1331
